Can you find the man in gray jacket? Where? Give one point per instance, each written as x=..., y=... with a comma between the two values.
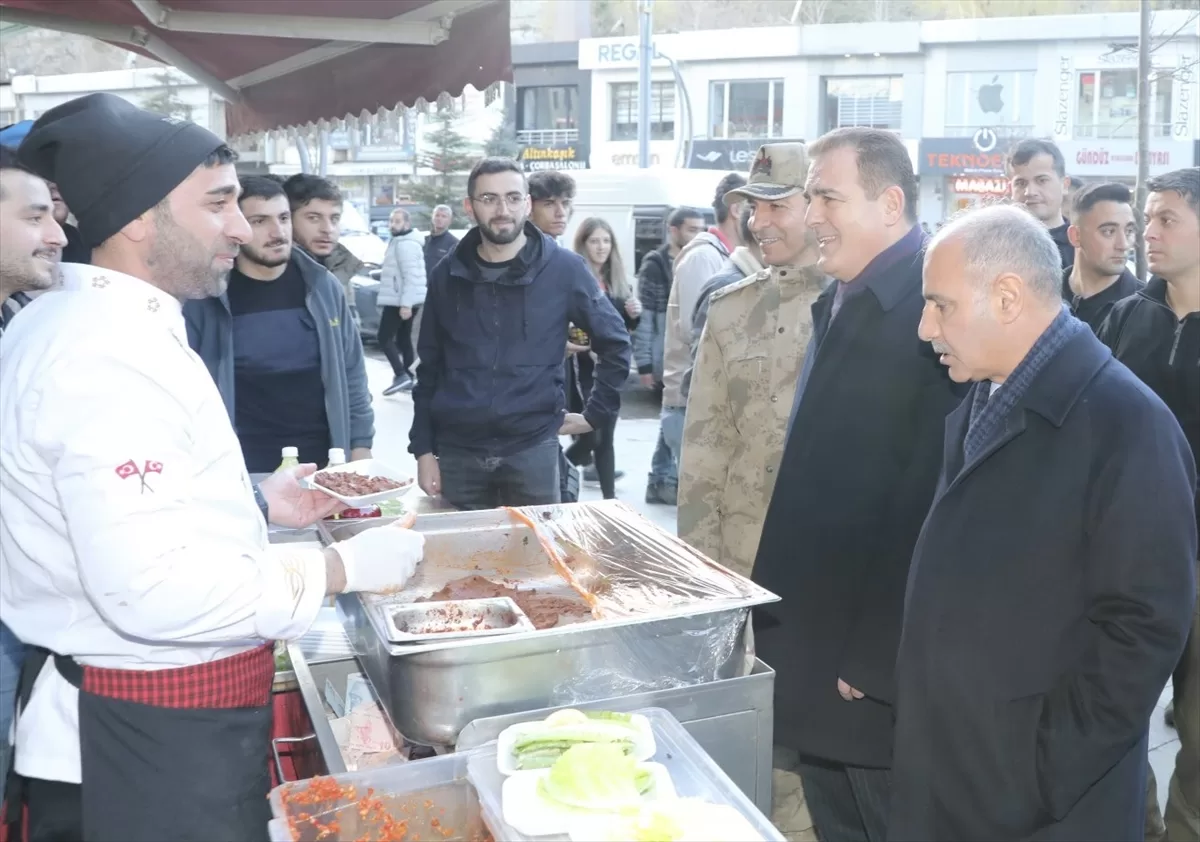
x=281, y=340
x=401, y=294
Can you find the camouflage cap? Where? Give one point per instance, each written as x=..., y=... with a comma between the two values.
x=779, y=170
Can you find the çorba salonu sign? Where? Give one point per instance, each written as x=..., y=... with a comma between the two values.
x=567, y=157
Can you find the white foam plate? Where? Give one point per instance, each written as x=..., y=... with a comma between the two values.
x=699, y=821
x=506, y=760
x=367, y=468
x=529, y=814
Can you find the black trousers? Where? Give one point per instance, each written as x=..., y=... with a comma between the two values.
x=395, y=338
x=152, y=773
x=605, y=456
x=847, y=803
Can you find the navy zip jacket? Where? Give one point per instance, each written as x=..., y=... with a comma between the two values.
x=490, y=379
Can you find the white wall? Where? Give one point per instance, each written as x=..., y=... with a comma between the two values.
x=38, y=94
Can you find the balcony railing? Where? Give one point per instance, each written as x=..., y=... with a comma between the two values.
x=1126, y=130
x=547, y=137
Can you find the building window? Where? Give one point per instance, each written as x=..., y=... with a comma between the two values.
x=1107, y=106
x=746, y=109
x=870, y=101
x=547, y=108
x=1000, y=101
x=625, y=111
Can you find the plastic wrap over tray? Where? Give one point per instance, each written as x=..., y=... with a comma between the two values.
x=650, y=614
x=625, y=565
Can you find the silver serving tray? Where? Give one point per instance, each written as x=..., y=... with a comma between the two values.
x=419, y=622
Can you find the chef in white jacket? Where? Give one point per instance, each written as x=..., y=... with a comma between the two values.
x=133, y=548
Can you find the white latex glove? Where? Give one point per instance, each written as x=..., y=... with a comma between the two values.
x=380, y=559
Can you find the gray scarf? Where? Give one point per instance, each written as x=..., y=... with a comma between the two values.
x=988, y=411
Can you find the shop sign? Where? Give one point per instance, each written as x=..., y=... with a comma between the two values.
x=973, y=186
x=1120, y=157
x=1066, y=84
x=571, y=156
x=981, y=155
x=734, y=154
x=1182, y=128
x=626, y=159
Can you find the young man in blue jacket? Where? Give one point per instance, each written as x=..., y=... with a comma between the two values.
x=282, y=345
x=489, y=403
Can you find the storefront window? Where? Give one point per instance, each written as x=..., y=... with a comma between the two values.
x=1001, y=101
x=625, y=111
x=870, y=101
x=1107, y=105
x=354, y=189
x=548, y=107
x=383, y=191
x=746, y=109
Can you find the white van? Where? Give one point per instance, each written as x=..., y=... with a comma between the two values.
x=636, y=204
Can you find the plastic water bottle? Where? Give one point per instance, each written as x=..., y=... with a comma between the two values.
x=291, y=458
x=337, y=456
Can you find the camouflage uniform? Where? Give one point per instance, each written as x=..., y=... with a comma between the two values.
x=748, y=364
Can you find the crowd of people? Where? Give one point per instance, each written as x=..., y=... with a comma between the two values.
x=965, y=461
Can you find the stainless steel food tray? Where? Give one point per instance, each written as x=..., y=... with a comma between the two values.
x=501, y=616
x=434, y=689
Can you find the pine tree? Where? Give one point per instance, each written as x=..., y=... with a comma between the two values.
x=450, y=155
x=503, y=142
x=166, y=100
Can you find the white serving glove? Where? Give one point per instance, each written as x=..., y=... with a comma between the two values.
x=381, y=559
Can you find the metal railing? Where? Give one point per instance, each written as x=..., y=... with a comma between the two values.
x=547, y=137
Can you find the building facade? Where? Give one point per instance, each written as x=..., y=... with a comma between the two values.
x=958, y=93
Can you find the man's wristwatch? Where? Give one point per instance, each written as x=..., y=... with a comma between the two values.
x=262, y=504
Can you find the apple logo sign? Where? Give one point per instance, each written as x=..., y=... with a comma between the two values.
x=990, y=101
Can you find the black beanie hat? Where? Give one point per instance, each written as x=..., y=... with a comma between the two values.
x=111, y=160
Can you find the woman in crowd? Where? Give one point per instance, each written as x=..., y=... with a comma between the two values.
x=595, y=243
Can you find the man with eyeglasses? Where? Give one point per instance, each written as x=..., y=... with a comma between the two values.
x=489, y=403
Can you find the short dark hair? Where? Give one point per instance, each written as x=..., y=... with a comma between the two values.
x=221, y=155
x=1094, y=194
x=1074, y=182
x=744, y=222
x=9, y=160
x=303, y=188
x=730, y=182
x=1029, y=148
x=1185, y=182
x=883, y=161
x=491, y=166
x=681, y=215
x=260, y=187
x=550, y=184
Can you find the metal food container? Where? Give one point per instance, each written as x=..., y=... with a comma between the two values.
x=420, y=622
x=668, y=617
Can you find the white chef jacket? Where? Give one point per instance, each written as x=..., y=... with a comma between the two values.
x=129, y=533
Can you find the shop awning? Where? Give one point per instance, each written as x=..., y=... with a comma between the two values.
x=282, y=63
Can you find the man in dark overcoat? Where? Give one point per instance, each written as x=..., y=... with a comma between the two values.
x=1051, y=588
x=855, y=481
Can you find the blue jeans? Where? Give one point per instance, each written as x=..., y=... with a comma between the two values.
x=12, y=654
x=664, y=465
x=527, y=478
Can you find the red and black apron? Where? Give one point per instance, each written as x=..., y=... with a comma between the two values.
x=166, y=754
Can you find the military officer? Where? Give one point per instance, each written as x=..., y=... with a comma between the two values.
x=750, y=357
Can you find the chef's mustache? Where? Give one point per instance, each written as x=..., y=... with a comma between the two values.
x=941, y=347
x=275, y=243
x=49, y=254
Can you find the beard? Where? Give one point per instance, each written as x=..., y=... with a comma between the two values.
x=183, y=266
x=29, y=274
x=502, y=238
x=400, y=232
x=259, y=257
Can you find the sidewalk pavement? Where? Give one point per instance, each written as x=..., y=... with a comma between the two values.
x=635, y=442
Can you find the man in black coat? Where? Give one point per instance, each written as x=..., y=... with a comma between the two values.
x=856, y=478
x=1052, y=587
x=1103, y=231
x=1156, y=333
